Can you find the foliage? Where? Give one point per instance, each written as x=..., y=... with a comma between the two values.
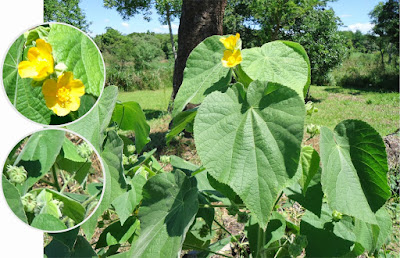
x=58, y=191
x=67, y=11
x=248, y=135
x=364, y=71
x=309, y=23
x=317, y=31
x=136, y=61
x=64, y=58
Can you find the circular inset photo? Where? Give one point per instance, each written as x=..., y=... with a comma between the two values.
x=53, y=180
x=53, y=74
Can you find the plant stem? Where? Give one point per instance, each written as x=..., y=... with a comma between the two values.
x=47, y=182
x=233, y=237
x=219, y=206
x=206, y=250
x=66, y=182
x=277, y=200
x=53, y=170
x=85, y=203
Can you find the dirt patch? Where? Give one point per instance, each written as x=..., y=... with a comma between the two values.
x=392, y=143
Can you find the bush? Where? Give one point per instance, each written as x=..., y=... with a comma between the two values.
x=362, y=70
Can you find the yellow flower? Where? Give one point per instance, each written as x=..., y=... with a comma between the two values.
x=40, y=64
x=231, y=42
x=63, y=96
x=231, y=58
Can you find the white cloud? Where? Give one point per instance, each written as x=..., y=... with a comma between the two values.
x=363, y=27
x=107, y=20
x=164, y=29
x=345, y=15
x=125, y=24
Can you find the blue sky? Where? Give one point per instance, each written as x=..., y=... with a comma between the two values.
x=353, y=13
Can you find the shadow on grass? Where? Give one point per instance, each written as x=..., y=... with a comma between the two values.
x=157, y=141
x=153, y=114
x=355, y=90
x=311, y=98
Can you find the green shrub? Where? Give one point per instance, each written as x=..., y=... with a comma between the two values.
x=362, y=70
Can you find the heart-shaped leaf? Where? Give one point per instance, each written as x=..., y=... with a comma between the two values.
x=81, y=56
x=354, y=168
x=252, y=143
x=283, y=62
x=203, y=74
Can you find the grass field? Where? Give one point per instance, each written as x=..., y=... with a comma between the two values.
x=381, y=110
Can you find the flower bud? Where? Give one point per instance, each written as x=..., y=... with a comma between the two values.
x=165, y=159
x=313, y=129
x=132, y=159
x=125, y=160
x=310, y=108
x=337, y=215
x=29, y=202
x=16, y=174
x=60, y=68
x=131, y=148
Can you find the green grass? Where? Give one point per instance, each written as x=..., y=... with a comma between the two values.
x=148, y=99
x=380, y=110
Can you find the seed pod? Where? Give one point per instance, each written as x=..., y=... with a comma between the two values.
x=16, y=174
x=84, y=150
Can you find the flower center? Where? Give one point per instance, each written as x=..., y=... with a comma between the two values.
x=63, y=95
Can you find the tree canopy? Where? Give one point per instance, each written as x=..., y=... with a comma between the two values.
x=67, y=11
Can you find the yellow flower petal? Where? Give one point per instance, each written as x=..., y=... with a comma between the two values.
x=26, y=70
x=75, y=103
x=49, y=88
x=63, y=96
x=77, y=88
x=231, y=42
x=231, y=58
x=40, y=62
x=65, y=78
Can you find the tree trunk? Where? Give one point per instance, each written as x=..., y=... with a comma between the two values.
x=170, y=30
x=199, y=20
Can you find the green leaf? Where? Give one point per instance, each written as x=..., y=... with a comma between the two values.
x=71, y=152
x=81, y=56
x=169, y=207
x=312, y=201
x=309, y=165
x=28, y=100
x=68, y=238
x=325, y=237
x=79, y=169
x=43, y=146
x=115, y=180
x=180, y=122
x=130, y=116
x=203, y=74
x=87, y=103
x=121, y=233
x=354, y=167
x=373, y=236
x=10, y=68
x=72, y=208
x=259, y=240
x=281, y=62
x=13, y=199
x=48, y=222
x=39, y=32
x=92, y=126
x=81, y=248
x=252, y=144
x=215, y=247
